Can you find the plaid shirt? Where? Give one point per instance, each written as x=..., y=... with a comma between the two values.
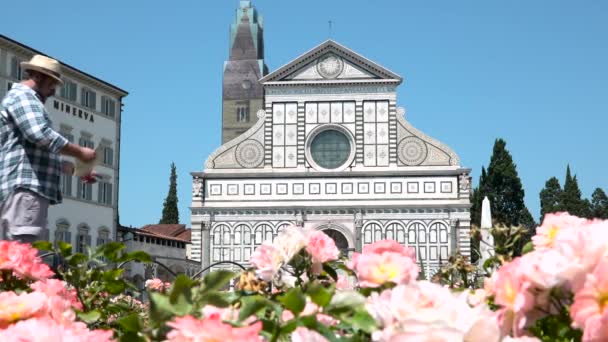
x=29, y=147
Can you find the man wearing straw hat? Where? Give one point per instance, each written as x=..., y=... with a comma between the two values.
x=30, y=164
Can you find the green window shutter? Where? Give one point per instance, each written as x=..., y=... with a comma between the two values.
x=83, y=100
x=93, y=101
x=100, y=192
x=88, y=239
x=112, y=108
x=103, y=104
x=15, y=68
x=72, y=91
x=68, y=237
x=109, y=194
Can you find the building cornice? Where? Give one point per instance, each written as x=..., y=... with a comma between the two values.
x=68, y=70
x=376, y=172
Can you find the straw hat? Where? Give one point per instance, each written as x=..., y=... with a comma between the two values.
x=44, y=65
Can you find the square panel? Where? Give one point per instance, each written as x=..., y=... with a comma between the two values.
x=324, y=112
x=265, y=189
x=347, y=188
x=379, y=188
x=291, y=113
x=330, y=188
x=291, y=135
x=382, y=133
x=298, y=188
x=369, y=112
x=314, y=188
x=233, y=189
x=215, y=189
x=249, y=189
x=369, y=155
x=396, y=187
x=282, y=189
x=336, y=112
x=278, y=113
x=363, y=188
x=311, y=112
x=382, y=111
x=278, y=135
x=278, y=156
x=446, y=187
x=369, y=133
x=429, y=187
x=349, y=112
x=382, y=155
x=412, y=187
x=291, y=156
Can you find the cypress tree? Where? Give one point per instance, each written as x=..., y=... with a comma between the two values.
x=550, y=198
x=170, y=212
x=599, y=204
x=571, y=197
x=476, y=199
x=503, y=187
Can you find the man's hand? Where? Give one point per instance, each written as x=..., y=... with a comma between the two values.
x=90, y=178
x=86, y=154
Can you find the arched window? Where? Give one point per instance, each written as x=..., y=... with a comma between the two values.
x=83, y=239
x=262, y=232
x=62, y=231
x=103, y=236
x=372, y=232
x=395, y=231
x=221, y=237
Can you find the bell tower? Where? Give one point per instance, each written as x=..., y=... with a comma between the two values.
x=242, y=94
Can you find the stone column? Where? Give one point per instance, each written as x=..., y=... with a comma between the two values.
x=358, y=231
x=206, y=227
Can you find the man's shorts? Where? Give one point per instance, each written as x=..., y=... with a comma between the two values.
x=24, y=212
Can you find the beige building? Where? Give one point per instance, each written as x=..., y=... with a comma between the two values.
x=87, y=111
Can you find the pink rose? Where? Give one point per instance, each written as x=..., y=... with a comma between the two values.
x=267, y=260
x=590, y=308
x=321, y=248
x=190, y=329
x=22, y=259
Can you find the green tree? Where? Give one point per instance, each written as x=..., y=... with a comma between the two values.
x=170, y=212
x=503, y=187
x=571, y=197
x=599, y=204
x=550, y=198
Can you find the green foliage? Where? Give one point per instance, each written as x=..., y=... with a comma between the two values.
x=170, y=212
x=599, y=204
x=571, y=197
x=556, y=328
x=550, y=198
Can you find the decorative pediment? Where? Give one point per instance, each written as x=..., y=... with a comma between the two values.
x=415, y=148
x=329, y=62
x=244, y=152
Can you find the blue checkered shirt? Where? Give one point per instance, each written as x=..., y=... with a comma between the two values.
x=29, y=147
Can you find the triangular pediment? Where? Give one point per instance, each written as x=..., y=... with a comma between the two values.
x=328, y=62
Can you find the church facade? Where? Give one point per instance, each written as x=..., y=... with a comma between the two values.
x=331, y=150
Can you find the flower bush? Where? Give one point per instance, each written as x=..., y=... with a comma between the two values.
x=300, y=288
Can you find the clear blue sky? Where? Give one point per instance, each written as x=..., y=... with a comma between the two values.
x=532, y=72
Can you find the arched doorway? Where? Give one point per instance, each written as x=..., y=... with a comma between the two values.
x=339, y=239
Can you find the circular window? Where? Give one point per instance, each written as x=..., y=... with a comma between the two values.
x=330, y=149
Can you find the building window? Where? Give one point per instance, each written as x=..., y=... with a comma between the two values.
x=83, y=240
x=242, y=113
x=86, y=141
x=108, y=156
x=16, y=72
x=104, y=193
x=103, y=236
x=9, y=86
x=69, y=137
x=66, y=184
x=85, y=191
x=68, y=90
x=108, y=106
x=62, y=232
x=88, y=98
x=330, y=149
